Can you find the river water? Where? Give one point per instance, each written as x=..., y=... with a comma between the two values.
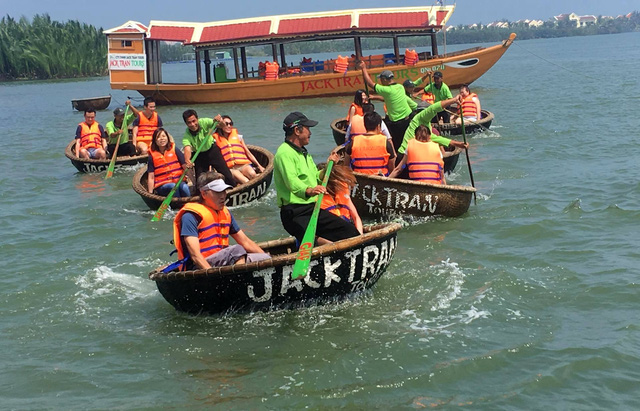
x=529, y=301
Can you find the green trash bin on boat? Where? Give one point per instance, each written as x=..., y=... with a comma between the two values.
x=220, y=73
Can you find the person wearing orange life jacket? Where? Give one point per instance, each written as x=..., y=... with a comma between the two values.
x=337, y=199
x=144, y=126
x=165, y=166
x=359, y=99
x=371, y=153
x=90, y=138
x=423, y=158
x=357, y=124
x=471, y=108
x=235, y=152
x=201, y=230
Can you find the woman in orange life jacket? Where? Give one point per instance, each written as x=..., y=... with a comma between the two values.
x=235, y=152
x=165, y=166
x=471, y=108
x=359, y=99
x=337, y=199
x=423, y=158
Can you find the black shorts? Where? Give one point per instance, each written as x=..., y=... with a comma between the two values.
x=295, y=219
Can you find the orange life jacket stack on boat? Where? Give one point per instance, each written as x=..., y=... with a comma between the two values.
x=271, y=70
x=410, y=57
x=342, y=64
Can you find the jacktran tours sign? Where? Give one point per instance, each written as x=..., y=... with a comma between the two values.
x=127, y=62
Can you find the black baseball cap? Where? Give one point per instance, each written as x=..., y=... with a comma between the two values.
x=297, y=119
x=437, y=74
x=118, y=112
x=408, y=83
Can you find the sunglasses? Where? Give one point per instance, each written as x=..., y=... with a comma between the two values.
x=228, y=123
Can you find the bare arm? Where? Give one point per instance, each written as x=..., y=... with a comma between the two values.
x=193, y=246
x=357, y=221
x=251, y=156
x=135, y=135
x=151, y=181
x=132, y=108
x=249, y=245
x=365, y=74
x=396, y=171
x=478, y=108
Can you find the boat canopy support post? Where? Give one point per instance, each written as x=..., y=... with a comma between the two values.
x=358, y=47
x=283, y=60
x=434, y=44
x=235, y=62
x=396, y=49
x=274, y=51
x=207, y=67
x=198, y=68
x=243, y=56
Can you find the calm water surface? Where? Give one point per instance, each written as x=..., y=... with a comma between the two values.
x=529, y=301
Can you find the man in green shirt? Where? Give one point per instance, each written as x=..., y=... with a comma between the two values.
x=424, y=118
x=115, y=128
x=441, y=92
x=296, y=179
x=398, y=108
x=197, y=132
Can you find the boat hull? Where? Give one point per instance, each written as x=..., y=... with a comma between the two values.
x=458, y=69
x=93, y=103
x=337, y=270
x=377, y=196
x=239, y=195
x=470, y=127
x=98, y=166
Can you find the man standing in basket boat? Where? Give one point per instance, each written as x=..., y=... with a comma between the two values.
x=90, y=138
x=424, y=118
x=371, y=152
x=143, y=127
x=440, y=92
x=395, y=99
x=115, y=129
x=199, y=130
x=201, y=230
x=296, y=179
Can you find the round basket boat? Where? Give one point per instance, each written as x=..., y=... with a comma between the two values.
x=240, y=194
x=96, y=166
x=91, y=103
x=378, y=196
x=337, y=270
x=470, y=127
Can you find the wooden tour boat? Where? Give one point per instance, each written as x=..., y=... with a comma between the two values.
x=378, y=196
x=97, y=166
x=91, y=103
x=337, y=270
x=241, y=194
x=134, y=58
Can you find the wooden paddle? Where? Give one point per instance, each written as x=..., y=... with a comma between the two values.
x=466, y=150
x=301, y=266
x=165, y=204
x=112, y=163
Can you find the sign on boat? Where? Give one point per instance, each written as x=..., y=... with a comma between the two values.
x=280, y=78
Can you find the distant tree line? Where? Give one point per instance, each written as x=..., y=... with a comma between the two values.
x=44, y=49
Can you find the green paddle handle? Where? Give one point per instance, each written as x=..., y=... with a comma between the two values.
x=301, y=266
x=112, y=163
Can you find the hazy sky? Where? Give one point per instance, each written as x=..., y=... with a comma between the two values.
x=109, y=14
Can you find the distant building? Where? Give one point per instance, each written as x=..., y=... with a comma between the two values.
x=581, y=21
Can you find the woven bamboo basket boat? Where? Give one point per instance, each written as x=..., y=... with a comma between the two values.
x=378, y=196
x=91, y=103
x=337, y=270
x=97, y=166
x=241, y=194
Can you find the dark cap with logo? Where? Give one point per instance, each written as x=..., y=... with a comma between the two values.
x=437, y=74
x=388, y=74
x=297, y=119
x=118, y=112
x=408, y=83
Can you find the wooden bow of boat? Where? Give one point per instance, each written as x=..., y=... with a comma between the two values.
x=241, y=194
x=337, y=269
x=95, y=166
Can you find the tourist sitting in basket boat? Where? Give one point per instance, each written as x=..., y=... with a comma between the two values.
x=118, y=128
x=235, y=152
x=165, y=166
x=372, y=152
x=143, y=127
x=337, y=199
x=201, y=230
x=357, y=124
x=199, y=131
x=471, y=108
x=424, y=159
x=359, y=100
x=90, y=138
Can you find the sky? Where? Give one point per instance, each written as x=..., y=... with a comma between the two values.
x=111, y=14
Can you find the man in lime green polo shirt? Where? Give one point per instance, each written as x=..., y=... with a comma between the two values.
x=395, y=98
x=296, y=179
x=119, y=127
x=199, y=130
x=440, y=92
